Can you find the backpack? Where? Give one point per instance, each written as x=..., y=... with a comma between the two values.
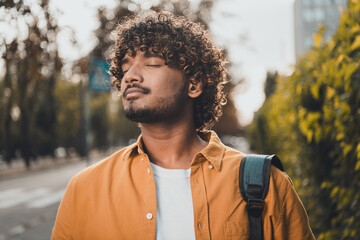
x=254, y=177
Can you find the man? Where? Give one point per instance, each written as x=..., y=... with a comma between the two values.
x=178, y=181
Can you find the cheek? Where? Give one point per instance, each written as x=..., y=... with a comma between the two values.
x=175, y=81
x=178, y=83
x=122, y=87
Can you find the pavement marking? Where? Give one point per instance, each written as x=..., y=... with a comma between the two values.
x=47, y=201
x=19, y=229
x=14, y=192
x=39, y=192
x=32, y=223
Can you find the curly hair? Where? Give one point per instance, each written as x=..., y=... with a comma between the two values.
x=184, y=45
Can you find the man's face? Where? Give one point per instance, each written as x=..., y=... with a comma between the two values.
x=151, y=91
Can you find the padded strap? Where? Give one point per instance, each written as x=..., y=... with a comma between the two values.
x=254, y=177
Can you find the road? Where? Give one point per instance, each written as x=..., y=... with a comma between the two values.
x=28, y=203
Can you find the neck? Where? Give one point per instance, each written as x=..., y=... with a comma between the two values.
x=171, y=146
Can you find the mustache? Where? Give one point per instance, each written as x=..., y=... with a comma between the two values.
x=135, y=85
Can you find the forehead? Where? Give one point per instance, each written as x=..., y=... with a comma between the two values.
x=146, y=54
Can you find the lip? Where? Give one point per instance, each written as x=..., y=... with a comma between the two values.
x=133, y=93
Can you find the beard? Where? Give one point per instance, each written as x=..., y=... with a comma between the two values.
x=161, y=109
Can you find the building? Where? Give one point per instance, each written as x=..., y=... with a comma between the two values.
x=309, y=14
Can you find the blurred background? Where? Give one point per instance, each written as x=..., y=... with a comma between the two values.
x=294, y=67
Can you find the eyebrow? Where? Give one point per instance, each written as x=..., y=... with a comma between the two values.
x=147, y=54
x=124, y=60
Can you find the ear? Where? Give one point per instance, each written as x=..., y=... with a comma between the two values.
x=195, y=89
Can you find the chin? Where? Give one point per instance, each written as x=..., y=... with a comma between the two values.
x=139, y=115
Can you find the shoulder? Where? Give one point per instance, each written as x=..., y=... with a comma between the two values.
x=278, y=175
x=232, y=154
x=279, y=185
x=230, y=161
x=101, y=170
x=280, y=181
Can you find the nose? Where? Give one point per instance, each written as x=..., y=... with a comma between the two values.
x=133, y=75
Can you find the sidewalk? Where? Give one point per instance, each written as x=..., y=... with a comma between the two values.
x=17, y=166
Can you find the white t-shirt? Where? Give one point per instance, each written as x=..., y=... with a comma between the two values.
x=175, y=214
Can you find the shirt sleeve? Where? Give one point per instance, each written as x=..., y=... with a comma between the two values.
x=64, y=219
x=293, y=222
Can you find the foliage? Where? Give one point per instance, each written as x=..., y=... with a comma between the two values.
x=68, y=114
x=312, y=121
x=270, y=83
x=32, y=64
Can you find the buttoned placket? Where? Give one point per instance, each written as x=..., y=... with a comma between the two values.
x=200, y=201
x=149, y=228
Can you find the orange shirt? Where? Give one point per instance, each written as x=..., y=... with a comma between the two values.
x=116, y=199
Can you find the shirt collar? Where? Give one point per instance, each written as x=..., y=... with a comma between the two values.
x=213, y=152
x=137, y=146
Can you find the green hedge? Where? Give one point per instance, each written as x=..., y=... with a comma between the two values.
x=313, y=122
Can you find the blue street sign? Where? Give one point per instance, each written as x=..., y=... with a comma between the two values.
x=99, y=79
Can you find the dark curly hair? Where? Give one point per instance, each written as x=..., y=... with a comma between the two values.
x=184, y=45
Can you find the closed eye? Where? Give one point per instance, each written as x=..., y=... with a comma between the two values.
x=154, y=65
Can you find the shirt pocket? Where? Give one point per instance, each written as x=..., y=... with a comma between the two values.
x=237, y=230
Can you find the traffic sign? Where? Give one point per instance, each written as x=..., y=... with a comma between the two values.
x=99, y=78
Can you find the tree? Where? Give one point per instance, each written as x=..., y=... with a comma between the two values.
x=270, y=83
x=67, y=94
x=32, y=65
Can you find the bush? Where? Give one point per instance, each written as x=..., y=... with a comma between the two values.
x=312, y=121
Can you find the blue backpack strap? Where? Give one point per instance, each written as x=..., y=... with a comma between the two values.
x=254, y=177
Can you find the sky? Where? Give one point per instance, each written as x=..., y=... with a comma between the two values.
x=258, y=35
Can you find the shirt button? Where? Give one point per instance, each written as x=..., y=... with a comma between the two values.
x=148, y=170
x=149, y=216
x=141, y=159
x=211, y=166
